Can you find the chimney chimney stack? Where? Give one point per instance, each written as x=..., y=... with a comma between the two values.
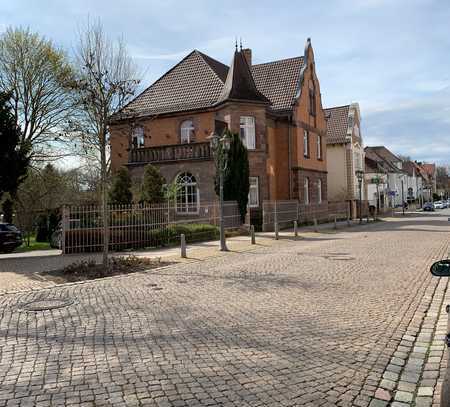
x=248, y=56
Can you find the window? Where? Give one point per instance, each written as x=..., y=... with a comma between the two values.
x=137, y=137
x=306, y=190
x=253, y=194
x=319, y=147
x=319, y=191
x=247, y=132
x=187, y=132
x=312, y=102
x=305, y=143
x=188, y=194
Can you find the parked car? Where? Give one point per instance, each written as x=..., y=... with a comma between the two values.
x=438, y=205
x=10, y=237
x=442, y=269
x=428, y=207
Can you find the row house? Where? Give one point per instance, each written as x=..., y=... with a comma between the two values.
x=275, y=107
x=414, y=182
x=429, y=174
x=396, y=176
x=345, y=154
x=376, y=181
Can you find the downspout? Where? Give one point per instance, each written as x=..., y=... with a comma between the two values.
x=289, y=156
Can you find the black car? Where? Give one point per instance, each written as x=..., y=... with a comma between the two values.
x=10, y=237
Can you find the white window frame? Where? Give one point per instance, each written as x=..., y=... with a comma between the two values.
x=305, y=143
x=254, y=185
x=319, y=191
x=306, y=190
x=247, y=131
x=138, y=135
x=184, y=207
x=319, y=147
x=187, y=132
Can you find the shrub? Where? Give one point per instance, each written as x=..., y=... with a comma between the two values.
x=120, y=193
x=152, y=189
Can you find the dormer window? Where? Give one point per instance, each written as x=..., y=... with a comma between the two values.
x=137, y=137
x=187, y=132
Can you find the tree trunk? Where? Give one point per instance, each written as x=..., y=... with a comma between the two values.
x=105, y=217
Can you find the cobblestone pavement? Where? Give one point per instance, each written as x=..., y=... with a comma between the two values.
x=347, y=319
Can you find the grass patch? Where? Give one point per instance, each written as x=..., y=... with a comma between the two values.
x=33, y=245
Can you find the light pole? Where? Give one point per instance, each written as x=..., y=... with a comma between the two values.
x=359, y=175
x=403, y=200
x=221, y=165
x=377, y=183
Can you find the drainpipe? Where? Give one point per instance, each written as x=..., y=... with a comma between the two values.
x=289, y=156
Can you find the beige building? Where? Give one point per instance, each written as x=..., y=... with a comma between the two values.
x=345, y=154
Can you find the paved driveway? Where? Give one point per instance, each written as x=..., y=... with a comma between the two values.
x=330, y=320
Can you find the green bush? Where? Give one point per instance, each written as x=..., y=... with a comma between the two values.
x=91, y=240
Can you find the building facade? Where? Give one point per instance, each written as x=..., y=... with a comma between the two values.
x=275, y=107
x=396, y=175
x=345, y=154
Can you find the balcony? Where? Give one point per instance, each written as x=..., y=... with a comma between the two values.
x=170, y=153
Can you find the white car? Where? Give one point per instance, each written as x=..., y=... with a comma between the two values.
x=439, y=205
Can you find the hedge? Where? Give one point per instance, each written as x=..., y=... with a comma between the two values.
x=90, y=240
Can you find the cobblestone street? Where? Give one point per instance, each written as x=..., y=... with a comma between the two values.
x=352, y=318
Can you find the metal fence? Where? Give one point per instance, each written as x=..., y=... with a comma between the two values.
x=284, y=213
x=142, y=226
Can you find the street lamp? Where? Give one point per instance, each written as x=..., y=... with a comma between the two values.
x=221, y=166
x=359, y=175
x=403, y=198
x=377, y=181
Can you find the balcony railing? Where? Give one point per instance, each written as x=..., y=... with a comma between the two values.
x=175, y=152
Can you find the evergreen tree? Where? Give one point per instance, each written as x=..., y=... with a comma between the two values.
x=120, y=192
x=14, y=156
x=152, y=189
x=236, y=184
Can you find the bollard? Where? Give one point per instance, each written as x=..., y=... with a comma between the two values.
x=295, y=228
x=348, y=219
x=252, y=234
x=367, y=218
x=183, y=246
x=335, y=223
x=276, y=231
x=315, y=225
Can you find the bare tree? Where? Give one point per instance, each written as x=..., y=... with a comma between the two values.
x=34, y=71
x=105, y=80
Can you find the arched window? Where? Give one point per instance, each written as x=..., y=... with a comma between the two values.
x=188, y=194
x=319, y=191
x=306, y=190
x=187, y=132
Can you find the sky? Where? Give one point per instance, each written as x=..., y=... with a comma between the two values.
x=390, y=56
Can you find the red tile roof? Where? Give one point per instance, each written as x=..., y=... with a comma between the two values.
x=198, y=81
x=337, y=124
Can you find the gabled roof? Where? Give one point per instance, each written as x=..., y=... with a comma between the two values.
x=385, y=153
x=279, y=81
x=337, y=124
x=199, y=81
x=430, y=169
x=194, y=83
x=239, y=84
x=382, y=156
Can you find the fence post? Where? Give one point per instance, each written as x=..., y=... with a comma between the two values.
x=315, y=225
x=275, y=219
x=63, y=229
x=295, y=228
x=252, y=234
x=183, y=246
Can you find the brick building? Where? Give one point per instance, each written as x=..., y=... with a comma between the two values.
x=275, y=107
